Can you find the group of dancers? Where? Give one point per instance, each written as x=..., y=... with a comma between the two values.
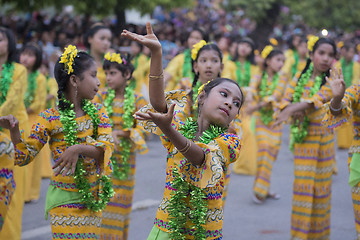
x=210, y=109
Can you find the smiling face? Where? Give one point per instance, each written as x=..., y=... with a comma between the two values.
x=244, y=49
x=88, y=83
x=323, y=57
x=221, y=105
x=208, y=65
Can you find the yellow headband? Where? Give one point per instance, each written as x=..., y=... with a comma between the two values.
x=266, y=51
x=196, y=48
x=113, y=57
x=311, y=42
x=68, y=58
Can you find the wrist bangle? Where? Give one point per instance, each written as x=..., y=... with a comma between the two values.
x=154, y=77
x=186, y=148
x=335, y=109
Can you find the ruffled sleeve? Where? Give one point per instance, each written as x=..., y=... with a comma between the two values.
x=104, y=139
x=219, y=153
x=349, y=102
x=29, y=147
x=322, y=96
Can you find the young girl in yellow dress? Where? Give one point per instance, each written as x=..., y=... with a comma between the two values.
x=198, y=151
x=296, y=61
x=351, y=73
x=344, y=108
x=121, y=102
x=312, y=144
x=269, y=90
x=79, y=133
x=98, y=42
x=13, y=84
x=35, y=101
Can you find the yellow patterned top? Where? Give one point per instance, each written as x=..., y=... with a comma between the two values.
x=48, y=128
x=210, y=176
x=137, y=133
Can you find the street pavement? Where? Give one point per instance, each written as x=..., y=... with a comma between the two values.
x=242, y=218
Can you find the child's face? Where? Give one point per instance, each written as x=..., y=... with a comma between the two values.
x=28, y=59
x=89, y=83
x=349, y=54
x=208, y=65
x=101, y=41
x=222, y=104
x=115, y=79
x=244, y=49
x=302, y=49
x=3, y=44
x=194, y=38
x=323, y=57
x=276, y=62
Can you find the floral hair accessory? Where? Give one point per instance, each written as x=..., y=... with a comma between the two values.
x=266, y=51
x=196, y=48
x=273, y=41
x=201, y=88
x=358, y=47
x=340, y=44
x=256, y=52
x=311, y=42
x=113, y=57
x=68, y=57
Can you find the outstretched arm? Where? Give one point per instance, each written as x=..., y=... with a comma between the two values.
x=156, y=77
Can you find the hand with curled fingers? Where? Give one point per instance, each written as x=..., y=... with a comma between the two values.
x=162, y=120
x=67, y=161
x=9, y=122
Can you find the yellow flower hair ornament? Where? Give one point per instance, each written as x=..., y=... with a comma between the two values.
x=311, y=42
x=114, y=57
x=273, y=41
x=340, y=44
x=201, y=88
x=266, y=51
x=68, y=57
x=196, y=48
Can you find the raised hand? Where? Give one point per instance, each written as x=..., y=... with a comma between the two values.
x=337, y=84
x=149, y=40
x=9, y=122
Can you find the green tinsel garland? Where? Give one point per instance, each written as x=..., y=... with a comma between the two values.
x=30, y=92
x=294, y=66
x=67, y=118
x=347, y=70
x=5, y=81
x=266, y=114
x=177, y=204
x=298, y=131
x=243, y=79
x=128, y=121
x=187, y=65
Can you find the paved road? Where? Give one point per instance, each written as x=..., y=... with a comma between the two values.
x=242, y=218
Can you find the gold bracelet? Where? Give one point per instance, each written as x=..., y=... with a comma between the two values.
x=186, y=148
x=154, y=77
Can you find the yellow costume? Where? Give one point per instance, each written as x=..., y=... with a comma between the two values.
x=179, y=67
x=268, y=137
x=142, y=69
x=313, y=160
x=116, y=216
x=345, y=132
x=14, y=105
x=219, y=153
x=293, y=65
x=350, y=113
x=101, y=76
x=38, y=104
x=63, y=200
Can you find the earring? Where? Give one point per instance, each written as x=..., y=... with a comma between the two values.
x=76, y=91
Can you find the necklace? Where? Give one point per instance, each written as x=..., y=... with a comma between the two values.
x=243, y=79
x=67, y=118
x=177, y=207
x=266, y=114
x=347, y=71
x=30, y=92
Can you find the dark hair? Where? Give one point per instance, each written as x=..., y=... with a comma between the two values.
x=91, y=32
x=272, y=54
x=349, y=45
x=81, y=63
x=123, y=68
x=204, y=35
x=251, y=57
x=207, y=47
x=217, y=81
x=316, y=46
x=290, y=40
x=37, y=51
x=11, y=43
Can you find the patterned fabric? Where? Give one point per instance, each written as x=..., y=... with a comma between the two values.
x=314, y=161
x=116, y=216
x=268, y=138
x=74, y=221
x=101, y=76
x=49, y=128
x=210, y=176
x=7, y=182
